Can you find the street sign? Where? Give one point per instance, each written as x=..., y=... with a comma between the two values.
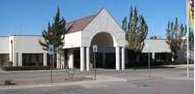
x=51, y=52
x=50, y=49
x=95, y=48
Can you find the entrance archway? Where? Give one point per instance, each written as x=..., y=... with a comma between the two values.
x=105, y=57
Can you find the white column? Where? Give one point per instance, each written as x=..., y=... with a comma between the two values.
x=71, y=59
x=87, y=58
x=44, y=59
x=58, y=60
x=11, y=51
x=19, y=59
x=11, y=56
x=62, y=60
x=82, y=59
x=117, y=54
x=14, y=62
x=123, y=59
x=153, y=55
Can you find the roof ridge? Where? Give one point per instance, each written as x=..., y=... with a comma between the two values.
x=80, y=18
x=80, y=24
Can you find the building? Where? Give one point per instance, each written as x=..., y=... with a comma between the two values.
x=159, y=50
x=22, y=50
x=100, y=29
x=155, y=46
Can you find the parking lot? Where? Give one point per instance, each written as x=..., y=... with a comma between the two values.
x=109, y=81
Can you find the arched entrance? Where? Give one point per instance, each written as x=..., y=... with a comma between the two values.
x=105, y=57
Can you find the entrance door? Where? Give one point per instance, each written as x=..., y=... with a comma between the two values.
x=105, y=59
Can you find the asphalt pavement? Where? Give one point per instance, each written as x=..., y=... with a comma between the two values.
x=130, y=81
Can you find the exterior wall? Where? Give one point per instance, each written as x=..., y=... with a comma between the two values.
x=15, y=46
x=153, y=45
x=72, y=40
x=4, y=45
x=27, y=44
x=103, y=22
x=158, y=49
x=4, y=51
x=19, y=45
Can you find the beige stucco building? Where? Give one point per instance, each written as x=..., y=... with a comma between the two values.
x=100, y=29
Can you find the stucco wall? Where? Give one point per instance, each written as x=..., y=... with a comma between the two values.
x=72, y=40
x=4, y=45
x=103, y=22
x=27, y=44
x=156, y=46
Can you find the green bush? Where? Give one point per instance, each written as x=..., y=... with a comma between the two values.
x=20, y=68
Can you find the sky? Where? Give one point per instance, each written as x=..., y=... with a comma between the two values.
x=30, y=17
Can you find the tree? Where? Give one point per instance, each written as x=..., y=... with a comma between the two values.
x=125, y=24
x=136, y=30
x=175, y=36
x=55, y=33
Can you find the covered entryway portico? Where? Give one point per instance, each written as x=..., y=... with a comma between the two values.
x=101, y=30
x=106, y=45
x=105, y=55
x=108, y=55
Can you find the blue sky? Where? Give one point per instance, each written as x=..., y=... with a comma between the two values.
x=26, y=17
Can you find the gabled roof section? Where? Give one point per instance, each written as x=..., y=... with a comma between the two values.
x=80, y=24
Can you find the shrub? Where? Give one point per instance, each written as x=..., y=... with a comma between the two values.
x=20, y=68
